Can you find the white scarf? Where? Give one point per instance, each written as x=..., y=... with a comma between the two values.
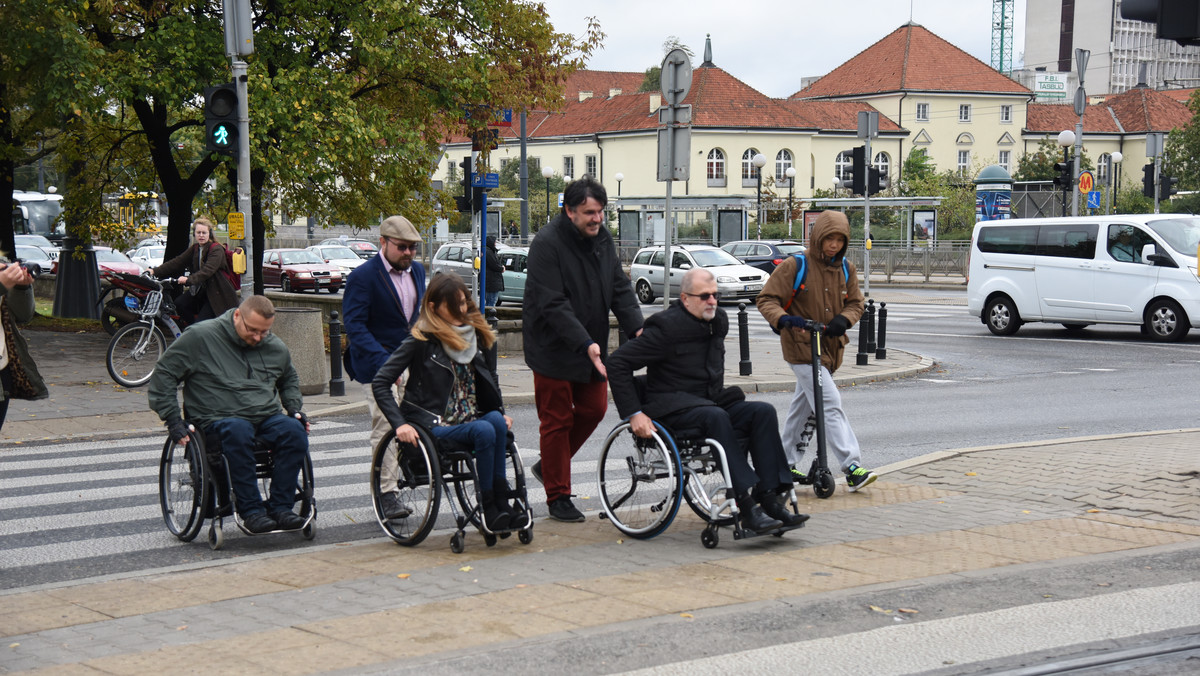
x=465, y=355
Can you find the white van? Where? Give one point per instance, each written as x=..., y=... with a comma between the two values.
x=1119, y=269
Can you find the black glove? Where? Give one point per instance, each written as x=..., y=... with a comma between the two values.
x=299, y=415
x=792, y=321
x=837, y=326
x=178, y=430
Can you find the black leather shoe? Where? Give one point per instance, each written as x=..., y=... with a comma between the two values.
x=775, y=506
x=753, y=519
x=289, y=520
x=260, y=523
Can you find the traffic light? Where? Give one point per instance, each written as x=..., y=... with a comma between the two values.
x=1148, y=180
x=1177, y=20
x=1166, y=187
x=1062, y=174
x=464, y=201
x=220, y=119
x=875, y=180
x=858, y=171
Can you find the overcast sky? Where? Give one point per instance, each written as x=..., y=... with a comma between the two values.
x=771, y=45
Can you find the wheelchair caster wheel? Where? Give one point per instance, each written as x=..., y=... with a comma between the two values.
x=489, y=539
x=216, y=537
x=309, y=532
x=456, y=543
x=823, y=484
x=709, y=538
x=525, y=536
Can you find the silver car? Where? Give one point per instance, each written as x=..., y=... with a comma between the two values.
x=456, y=258
x=735, y=280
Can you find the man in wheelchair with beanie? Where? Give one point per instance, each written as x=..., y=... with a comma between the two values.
x=237, y=380
x=683, y=350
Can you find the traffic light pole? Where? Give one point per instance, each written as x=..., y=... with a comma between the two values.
x=243, y=174
x=1157, y=178
x=867, y=221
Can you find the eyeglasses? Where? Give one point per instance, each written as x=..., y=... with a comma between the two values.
x=262, y=333
x=404, y=247
x=715, y=295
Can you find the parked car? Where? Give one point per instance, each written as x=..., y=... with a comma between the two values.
x=299, y=269
x=149, y=256
x=764, y=254
x=515, y=266
x=40, y=242
x=735, y=279
x=456, y=258
x=35, y=258
x=1120, y=269
x=364, y=248
x=336, y=254
x=115, y=261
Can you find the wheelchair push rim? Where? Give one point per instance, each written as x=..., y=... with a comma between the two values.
x=419, y=488
x=640, y=481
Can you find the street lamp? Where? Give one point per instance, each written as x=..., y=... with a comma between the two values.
x=791, y=177
x=1114, y=162
x=547, y=172
x=758, y=161
x=620, y=177
x=1066, y=139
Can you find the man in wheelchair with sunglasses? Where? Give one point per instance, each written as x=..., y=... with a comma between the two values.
x=683, y=350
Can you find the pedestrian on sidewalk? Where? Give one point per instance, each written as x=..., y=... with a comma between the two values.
x=495, y=273
x=575, y=278
x=237, y=379
x=683, y=351
x=828, y=293
x=18, y=374
x=380, y=304
x=201, y=270
x=453, y=390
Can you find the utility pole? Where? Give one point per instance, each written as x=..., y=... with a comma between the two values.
x=674, y=143
x=1081, y=60
x=239, y=41
x=868, y=128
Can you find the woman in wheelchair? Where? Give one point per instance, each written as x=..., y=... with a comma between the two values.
x=452, y=389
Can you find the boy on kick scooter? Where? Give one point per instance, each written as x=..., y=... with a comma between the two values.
x=818, y=286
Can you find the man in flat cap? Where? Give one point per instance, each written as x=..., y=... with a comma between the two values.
x=381, y=302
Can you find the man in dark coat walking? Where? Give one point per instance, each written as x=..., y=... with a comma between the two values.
x=575, y=278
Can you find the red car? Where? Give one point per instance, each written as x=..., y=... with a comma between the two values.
x=109, y=259
x=299, y=269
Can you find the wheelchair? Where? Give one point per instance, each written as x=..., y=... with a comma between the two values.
x=194, y=485
x=644, y=481
x=428, y=470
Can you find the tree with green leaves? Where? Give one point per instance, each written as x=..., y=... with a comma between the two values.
x=652, y=81
x=1039, y=165
x=1182, y=145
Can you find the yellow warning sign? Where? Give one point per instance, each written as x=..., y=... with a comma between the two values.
x=237, y=225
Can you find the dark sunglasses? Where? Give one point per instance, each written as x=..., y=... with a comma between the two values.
x=703, y=296
x=403, y=247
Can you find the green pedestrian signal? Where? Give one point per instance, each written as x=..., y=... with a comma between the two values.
x=220, y=119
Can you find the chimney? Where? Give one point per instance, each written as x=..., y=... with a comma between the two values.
x=584, y=96
x=655, y=102
x=613, y=92
x=1143, y=69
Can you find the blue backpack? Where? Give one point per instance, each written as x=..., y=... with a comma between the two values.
x=802, y=274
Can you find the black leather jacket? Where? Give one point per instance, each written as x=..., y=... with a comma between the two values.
x=430, y=381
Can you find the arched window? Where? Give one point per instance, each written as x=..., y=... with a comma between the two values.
x=783, y=160
x=716, y=163
x=748, y=169
x=843, y=166
x=883, y=163
x=1102, y=168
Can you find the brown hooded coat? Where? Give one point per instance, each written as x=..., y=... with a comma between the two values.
x=826, y=293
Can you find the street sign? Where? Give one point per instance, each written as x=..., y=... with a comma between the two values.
x=868, y=124
x=676, y=77
x=480, y=180
x=501, y=117
x=560, y=199
x=237, y=225
x=674, y=153
x=1086, y=182
x=1093, y=199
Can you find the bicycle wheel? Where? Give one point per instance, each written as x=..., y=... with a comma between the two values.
x=133, y=353
x=640, y=481
x=419, y=487
x=111, y=300
x=183, y=487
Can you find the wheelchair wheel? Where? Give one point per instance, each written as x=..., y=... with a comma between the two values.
x=133, y=353
x=183, y=487
x=640, y=481
x=419, y=488
x=702, y=481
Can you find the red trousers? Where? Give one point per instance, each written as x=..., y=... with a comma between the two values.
x=569, y=413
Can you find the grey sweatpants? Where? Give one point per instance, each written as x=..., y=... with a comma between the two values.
x=839, y=438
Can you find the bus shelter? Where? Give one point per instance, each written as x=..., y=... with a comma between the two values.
x=697, y=219
x=920, y=213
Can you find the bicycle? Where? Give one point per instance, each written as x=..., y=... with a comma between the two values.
x=134, y=350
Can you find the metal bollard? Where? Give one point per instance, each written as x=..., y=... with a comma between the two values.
x=744, y=366
x=881, y=350
x=337, y=385
x=860, y=359
x=870, y=326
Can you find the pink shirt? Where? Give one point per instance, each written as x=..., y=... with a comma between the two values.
x=406, y=287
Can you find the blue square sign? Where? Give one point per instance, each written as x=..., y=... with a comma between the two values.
x=1093, y=199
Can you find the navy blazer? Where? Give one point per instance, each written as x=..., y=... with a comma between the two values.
x=375, y=323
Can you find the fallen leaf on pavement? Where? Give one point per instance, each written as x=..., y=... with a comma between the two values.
x=971, y=474
x=1093, y=511
x=465, y=569
x=404, y=576
x=880, y=610
x=908, y=610
x=688, y=615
